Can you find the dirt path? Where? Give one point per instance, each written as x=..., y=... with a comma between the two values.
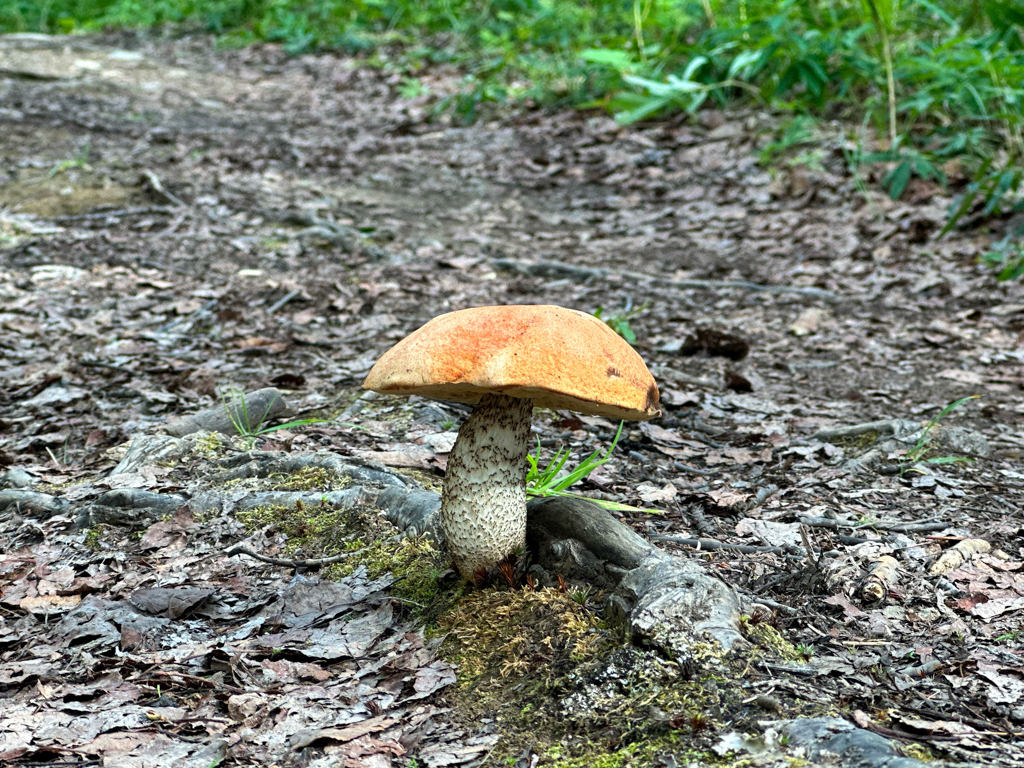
x=176, y=221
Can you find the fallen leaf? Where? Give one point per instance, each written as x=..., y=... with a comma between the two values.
x=652, y=494
x=49, y=604
x=808, y=322
x=964, y=377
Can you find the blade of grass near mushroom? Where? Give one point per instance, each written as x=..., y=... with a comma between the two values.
x=507, y=360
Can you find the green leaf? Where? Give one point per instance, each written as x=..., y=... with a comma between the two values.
x=620, y=61
x=896, y=179
x=650, y=107
x=742, y=61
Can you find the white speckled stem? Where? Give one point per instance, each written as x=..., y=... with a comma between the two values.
x=483, y=504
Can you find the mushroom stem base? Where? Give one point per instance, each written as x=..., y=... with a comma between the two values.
x=483, y=504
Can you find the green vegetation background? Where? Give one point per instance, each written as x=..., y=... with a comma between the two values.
x=932, y=88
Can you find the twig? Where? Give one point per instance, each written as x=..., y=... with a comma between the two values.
x=239, y=549
x=687, y=468
x=283, y=300
x=191, y=678
x=806, y=539
x=115, y=214
x=835, y=525
x=768, y=601
x=746, y=549
x=923, y=527
x=158, y=188
x=558, y=269
x=894, y=427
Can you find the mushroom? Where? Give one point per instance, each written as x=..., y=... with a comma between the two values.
x=507, y=360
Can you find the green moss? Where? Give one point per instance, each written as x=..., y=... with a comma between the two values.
x=210, y=445
x=495, y=634
x=415, y=562
x=770, y=639
x=311, y=479
x=639, y=754
x=320, y=531
x=857, y=444
x=557, y=680
x=428, y=480
x=917, y=752
x=326, y=531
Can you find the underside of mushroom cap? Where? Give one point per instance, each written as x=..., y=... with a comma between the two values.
x=558, y=358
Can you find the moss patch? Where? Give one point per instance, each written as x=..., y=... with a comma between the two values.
x=209, y=445
x=318, y=530
x=63, y=193
x=324, y=531
x=312, y=479
x=415, y=562
x=546, y=670
x=495, y=634
x=770, y=639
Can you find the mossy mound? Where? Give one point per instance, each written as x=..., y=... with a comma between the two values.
x=542, y=668
x=537, y=632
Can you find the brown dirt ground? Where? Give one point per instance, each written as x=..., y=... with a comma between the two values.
x=184, y=193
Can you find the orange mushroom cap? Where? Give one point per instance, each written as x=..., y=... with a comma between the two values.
x=557, y=357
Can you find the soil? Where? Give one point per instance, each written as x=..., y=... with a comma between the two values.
x=179, y=222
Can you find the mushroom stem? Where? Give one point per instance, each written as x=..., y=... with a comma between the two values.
x=483, y=503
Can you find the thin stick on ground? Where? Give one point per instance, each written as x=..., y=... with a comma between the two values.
x=318, y=562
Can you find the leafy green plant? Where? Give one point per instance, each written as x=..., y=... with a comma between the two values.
x=81, y=160
x=798, y=131
x=1006, y=258
x=547, y=481
x=994, y=187
x=619, y=321
x=906, y=163
x=412, y=88
x=920, y=448
x=805, y=650
x=251, y=427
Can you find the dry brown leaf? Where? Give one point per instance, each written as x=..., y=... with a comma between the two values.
x=652, y=494
x=728, y=498
x=49, y=604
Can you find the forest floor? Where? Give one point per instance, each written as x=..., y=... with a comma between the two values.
x=178, y=222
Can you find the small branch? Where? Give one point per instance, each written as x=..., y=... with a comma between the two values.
x=559, y=269
x=239, y=549
x=115, y=214
x=905, y=527
x=756, y=598
x=204, y=682
x=694, y=470
x=835, y=525
x=283, y=300
x=158, y=188
x=746, y=549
